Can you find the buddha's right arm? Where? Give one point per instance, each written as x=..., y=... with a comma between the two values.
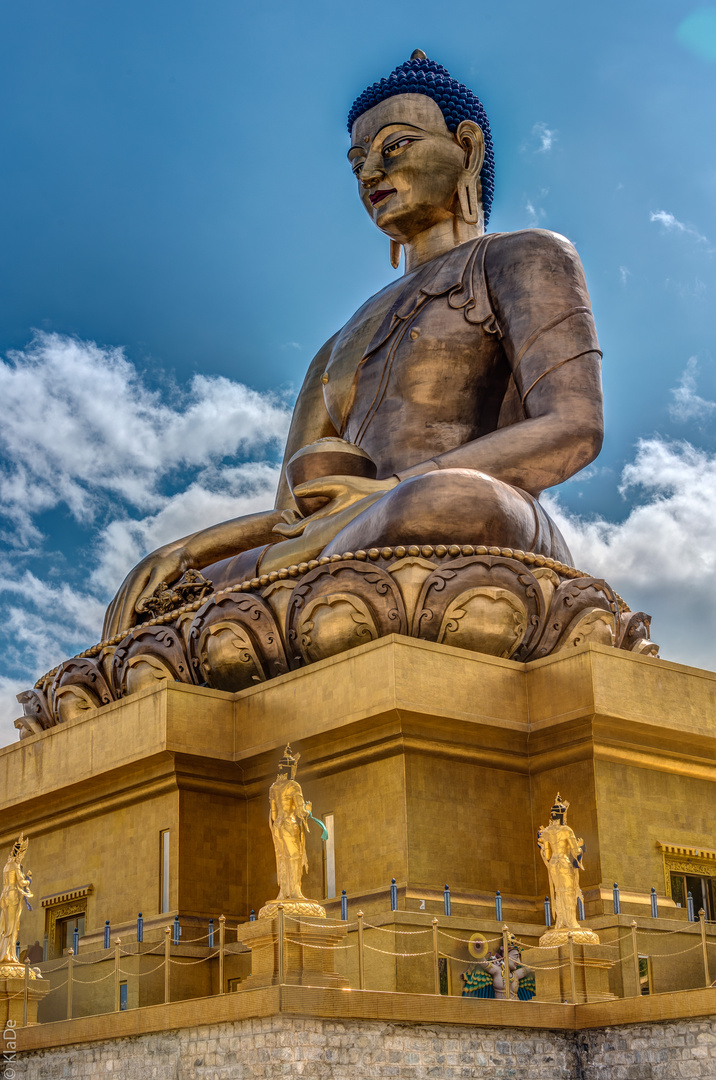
x=206, y=546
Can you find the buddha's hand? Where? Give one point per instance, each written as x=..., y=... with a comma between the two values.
x=342, y=493
x=166, y=564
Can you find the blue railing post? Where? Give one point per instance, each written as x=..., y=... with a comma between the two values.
x=498, y=906
x=252, y=916
x=615, y=897
x=106, y=933
x=654, y=904
x=177, y=930
x=580, y=909
x=344, y=906
x=76, y=940
x=393, y=895
x=547, y=912
x=211, y=934
x=45, y=948
x=140, y=927
x=448, y=905
x=690, y=907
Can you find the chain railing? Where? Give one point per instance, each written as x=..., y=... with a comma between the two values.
x=622, y=951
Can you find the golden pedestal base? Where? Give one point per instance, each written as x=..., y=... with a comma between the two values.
x=582, y=936
x=12, y=999
x=400, y=739
x=308, y=952
x=554, y=977
x=293, y=907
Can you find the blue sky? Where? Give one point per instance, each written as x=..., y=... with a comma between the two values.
x=181, y=232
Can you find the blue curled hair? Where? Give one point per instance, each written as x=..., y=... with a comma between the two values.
x=456, y=102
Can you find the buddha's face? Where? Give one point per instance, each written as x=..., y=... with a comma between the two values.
x=407, y=164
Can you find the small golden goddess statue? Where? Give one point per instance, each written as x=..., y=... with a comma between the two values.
x=288, y=820
x=562, y=853
x=15, y=893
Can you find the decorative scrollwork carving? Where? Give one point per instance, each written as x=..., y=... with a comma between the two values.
x=37, y=714
x=79, y=685
x=583, y=609
x=634, y=633
x=513, y=604
x=148, y=655
x=484, y=603
x=234, y=642
x=340, y=605
x=192, y=586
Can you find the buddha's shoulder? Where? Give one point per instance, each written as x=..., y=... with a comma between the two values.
x=539, y=247
x=526, y=243
x=528, y=260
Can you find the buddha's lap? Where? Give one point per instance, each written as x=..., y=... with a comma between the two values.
x=450, y=506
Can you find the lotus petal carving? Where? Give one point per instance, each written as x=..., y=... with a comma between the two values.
x=339, y=605
x=497, y=601
x=148, y=655
x=234, y=642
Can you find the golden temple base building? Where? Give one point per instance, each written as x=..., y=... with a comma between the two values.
x=428, y=765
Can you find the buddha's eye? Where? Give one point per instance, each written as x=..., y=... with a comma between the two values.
x=357, y=167
x=394, y=147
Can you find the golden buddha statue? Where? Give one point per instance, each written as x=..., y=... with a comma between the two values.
x=562, y=853
x=452, y=398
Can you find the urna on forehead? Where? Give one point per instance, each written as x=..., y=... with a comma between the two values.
x=419, y=75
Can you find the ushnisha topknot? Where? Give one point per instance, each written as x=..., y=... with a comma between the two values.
x=456, y=102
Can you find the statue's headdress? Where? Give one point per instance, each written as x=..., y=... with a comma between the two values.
x=19, y=847
x=289, y=761
x=560, y=808
x=457, y=103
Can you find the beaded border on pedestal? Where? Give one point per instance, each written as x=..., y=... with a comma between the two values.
x=400, y=551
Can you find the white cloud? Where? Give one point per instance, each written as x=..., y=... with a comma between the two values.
x=9, y=708
x=42, y=624
x=624, y=273
x=535, y=213
x=661, y=558
x=83, y=432
x=542, y=139
x=672, y=224
x=215, y=495
x=687, y=404
x=42, y=619
x=79, y=424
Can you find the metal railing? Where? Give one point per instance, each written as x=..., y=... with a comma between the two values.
x=437, y=946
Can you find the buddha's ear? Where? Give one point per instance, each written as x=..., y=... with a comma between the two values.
x=469, y=136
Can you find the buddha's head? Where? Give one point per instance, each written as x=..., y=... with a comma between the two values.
x=421, y=150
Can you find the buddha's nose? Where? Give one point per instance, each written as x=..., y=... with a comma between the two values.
x=372, y=171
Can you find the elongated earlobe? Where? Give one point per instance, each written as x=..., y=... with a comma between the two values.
x=395, y=250
x=469, y=200
x=469, y=189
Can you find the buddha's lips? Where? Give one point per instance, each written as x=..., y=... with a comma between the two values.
x=378, y=196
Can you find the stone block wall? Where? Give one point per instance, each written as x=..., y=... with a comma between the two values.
x=281, y=1046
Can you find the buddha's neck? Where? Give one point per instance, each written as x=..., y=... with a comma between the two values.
x=438, y=239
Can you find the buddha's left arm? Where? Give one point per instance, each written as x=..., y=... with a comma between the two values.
x=544, y=316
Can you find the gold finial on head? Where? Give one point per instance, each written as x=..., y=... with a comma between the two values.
x=418, y=54
x=561, y=806
x=20, y=847
x=289, y=761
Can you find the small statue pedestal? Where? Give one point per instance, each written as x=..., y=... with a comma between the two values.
x=12, y=999
x=554, y=980
x=308, y=951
